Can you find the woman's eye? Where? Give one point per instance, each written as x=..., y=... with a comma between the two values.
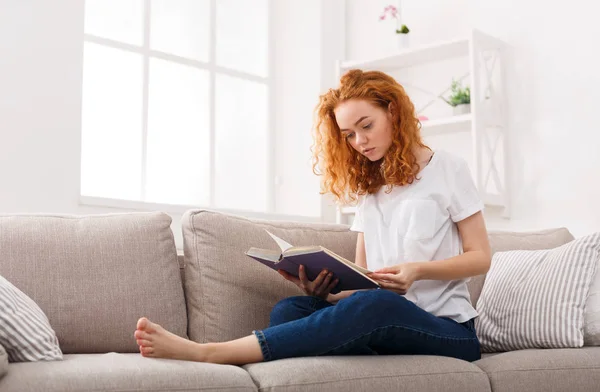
x=368, y=126
x=349, y=135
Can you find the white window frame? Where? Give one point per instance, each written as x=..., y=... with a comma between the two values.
x=213, y=69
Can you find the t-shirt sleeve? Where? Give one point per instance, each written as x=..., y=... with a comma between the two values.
x=464, y=199
x=357, y=223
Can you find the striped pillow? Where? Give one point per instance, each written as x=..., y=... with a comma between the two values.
x=25, y=331
x=536, y=299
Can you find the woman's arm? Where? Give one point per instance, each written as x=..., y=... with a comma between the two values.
x=361, y=260
x=475, y=260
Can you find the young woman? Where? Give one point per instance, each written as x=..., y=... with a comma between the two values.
x=420, y=228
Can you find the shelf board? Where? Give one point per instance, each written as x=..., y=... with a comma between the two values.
x=348, y=210
x=447, y=125
x=413, y=56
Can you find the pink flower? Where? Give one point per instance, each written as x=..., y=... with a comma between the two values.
x=393, y=11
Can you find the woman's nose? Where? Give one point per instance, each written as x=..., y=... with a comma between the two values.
x=360, y=139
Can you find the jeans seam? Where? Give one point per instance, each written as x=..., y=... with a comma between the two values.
x=465, y=340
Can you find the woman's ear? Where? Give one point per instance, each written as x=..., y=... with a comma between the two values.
x=391, y=110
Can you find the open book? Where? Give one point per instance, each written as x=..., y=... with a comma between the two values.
x=314, y=259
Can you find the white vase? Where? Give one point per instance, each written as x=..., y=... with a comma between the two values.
x=403, y=40
x=464, y=108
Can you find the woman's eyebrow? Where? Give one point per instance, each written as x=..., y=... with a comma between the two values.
x=356, y=123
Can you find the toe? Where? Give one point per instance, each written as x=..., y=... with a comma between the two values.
x=147, y=351
x=144, y=324
x=144, y=343
x=142, y=335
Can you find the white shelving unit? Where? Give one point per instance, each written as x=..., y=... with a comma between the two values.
x=487, y=121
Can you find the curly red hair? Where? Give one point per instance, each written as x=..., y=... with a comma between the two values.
x=347, y=173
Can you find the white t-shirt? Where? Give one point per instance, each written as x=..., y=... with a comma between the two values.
x=416, y=222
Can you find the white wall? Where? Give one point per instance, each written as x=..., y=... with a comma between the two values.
x=41, y=48
x=40, y=85
x=298, y=60
x=310, y=41
x=553, y=90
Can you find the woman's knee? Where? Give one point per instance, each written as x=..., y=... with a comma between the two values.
x=377, y=294
x=294, y=302
x=291, y=305
x=380, y=298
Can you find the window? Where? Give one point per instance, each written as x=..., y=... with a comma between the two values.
x=176, y=98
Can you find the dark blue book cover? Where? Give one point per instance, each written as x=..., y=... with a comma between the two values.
x=314, y=259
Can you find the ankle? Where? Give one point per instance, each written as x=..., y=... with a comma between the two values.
x=209, y=352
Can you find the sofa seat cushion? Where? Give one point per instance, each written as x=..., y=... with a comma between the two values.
x=94, y=276
x=369, y=373
x=123, y=372
x=568, y=369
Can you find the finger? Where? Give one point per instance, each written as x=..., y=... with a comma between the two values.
x=393, y=286
x=302, y=275
x=387, y=277
x=318, y=282
x=324, y=284
x=289, y=276
x=332, y=285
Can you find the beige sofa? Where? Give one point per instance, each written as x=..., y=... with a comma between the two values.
x=94, y=276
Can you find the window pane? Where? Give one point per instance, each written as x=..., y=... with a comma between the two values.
x=119, y=20
x=181, y=27
x=242, y=40
x=111, y=143
x=177, y=170
x=241, y=144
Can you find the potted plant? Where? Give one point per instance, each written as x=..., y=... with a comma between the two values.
x=401, y=29
x=460, y=98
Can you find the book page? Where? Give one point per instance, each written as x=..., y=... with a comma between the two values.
x=348, y=262
x=298, y=250
x=281, y=243
x=264, y=254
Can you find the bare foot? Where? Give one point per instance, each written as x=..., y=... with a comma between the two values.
x=157, y=342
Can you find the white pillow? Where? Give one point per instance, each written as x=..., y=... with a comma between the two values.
x=25, y=332
x=536, y=299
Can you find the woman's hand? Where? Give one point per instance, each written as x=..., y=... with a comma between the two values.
x=397, y=278
x=320, y=287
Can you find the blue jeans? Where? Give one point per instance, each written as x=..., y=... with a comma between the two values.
x=367, y=322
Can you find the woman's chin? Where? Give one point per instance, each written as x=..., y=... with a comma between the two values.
x=374, y=158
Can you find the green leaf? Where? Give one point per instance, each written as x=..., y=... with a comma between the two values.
x=403, y=30
x=459, y=95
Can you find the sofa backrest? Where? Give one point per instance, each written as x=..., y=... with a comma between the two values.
x=501, y=241
x=94, y=276
x=229, y=294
